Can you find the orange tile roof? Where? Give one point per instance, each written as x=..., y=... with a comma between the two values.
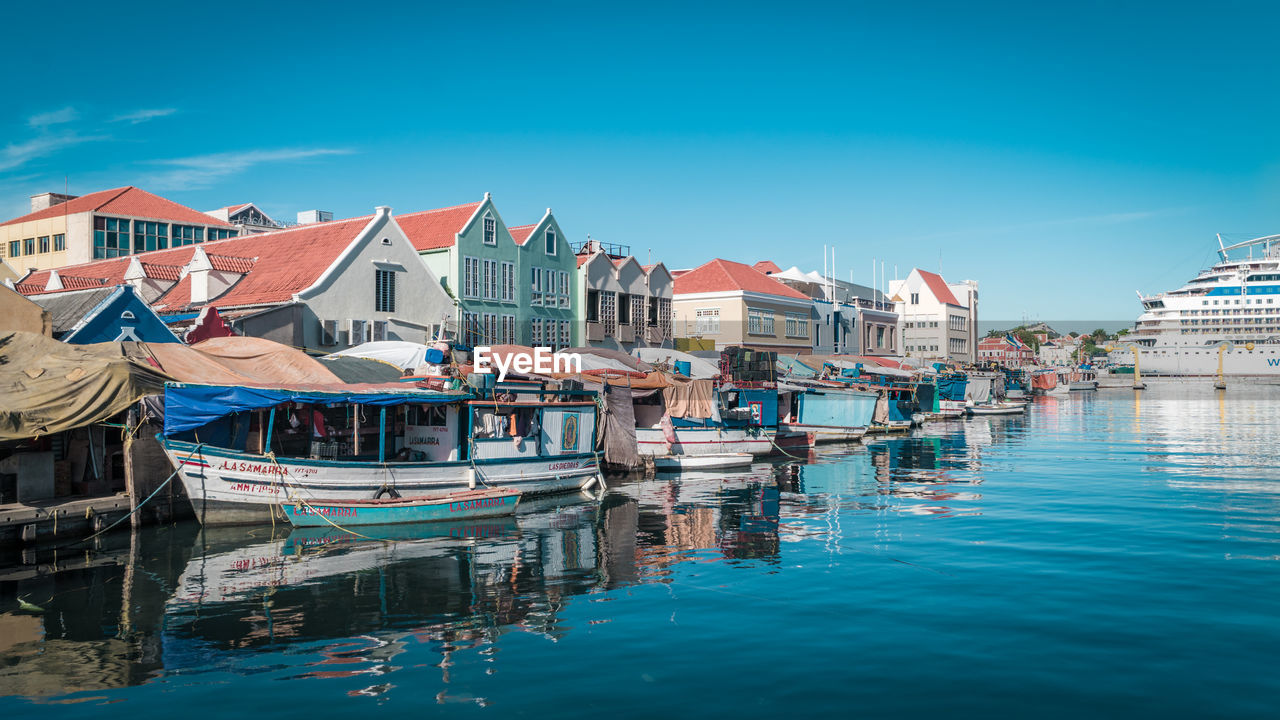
x=582, y=260
x=127, y=201
x=162, y=272
x=521, y=234
x=433, y=229
x=228, y=263
x=278, y=264
x=725, y=275
x=767, y=267
x=939, y=288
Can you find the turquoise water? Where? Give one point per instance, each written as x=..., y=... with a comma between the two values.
x=1107, y=555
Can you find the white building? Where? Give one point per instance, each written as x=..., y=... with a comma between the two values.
x=939, y=320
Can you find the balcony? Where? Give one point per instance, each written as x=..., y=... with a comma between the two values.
x=595, y=331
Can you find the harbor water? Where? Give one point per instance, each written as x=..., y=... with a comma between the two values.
x=1108, y=554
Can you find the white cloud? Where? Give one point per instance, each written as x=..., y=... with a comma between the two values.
x=139, y=116
x=202, y=171
x=56, y=117
x=17, y=154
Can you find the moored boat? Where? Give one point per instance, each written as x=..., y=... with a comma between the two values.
x=467, y=505
x=680, y=463
x=241, y=451
x=997, y=409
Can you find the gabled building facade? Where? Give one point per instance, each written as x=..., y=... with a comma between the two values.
x=246, y=217
x=723, y=303
x=512, y=285
x=107, y=314
x=935, y=323
x=65, y=230
x=625, y=305
x=320, y=287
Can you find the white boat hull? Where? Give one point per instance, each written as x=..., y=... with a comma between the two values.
x=825, y=433
x=678, y=463
x=1002, y=410
x=706, y=441
x=228, y=488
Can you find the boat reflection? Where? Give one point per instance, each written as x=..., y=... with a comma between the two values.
x=183, y=600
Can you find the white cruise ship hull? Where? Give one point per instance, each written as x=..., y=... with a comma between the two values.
x=1174, y=359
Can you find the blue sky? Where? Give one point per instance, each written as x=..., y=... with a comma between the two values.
x=1061, y=155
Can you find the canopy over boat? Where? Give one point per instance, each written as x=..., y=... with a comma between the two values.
x=795, y=368
x=404, y=355
x=190, y=406
x=699, y=368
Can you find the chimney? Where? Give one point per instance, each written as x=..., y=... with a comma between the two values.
x=308, y=217
x=48, y=200
x=134, y=275
x=198, y=271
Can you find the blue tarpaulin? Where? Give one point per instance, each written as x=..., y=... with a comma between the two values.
x=952, y=387
x=187, y=407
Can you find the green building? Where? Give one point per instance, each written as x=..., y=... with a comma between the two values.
x=513, y=285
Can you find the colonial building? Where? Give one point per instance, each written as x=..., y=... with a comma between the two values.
x=723, y=303
x=626, y=305
x=1007, y=350
x=939, y=321
x=320, y=287
x=104, y=314
x=68, y=230
x=851, y=318
x=512, y=285
x=247, y=218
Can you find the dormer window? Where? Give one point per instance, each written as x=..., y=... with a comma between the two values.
x=490, y=230
x=551, y=241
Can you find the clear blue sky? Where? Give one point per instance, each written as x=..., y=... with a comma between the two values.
x=1063, y=155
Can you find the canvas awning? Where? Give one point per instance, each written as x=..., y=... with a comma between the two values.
x=404, y=355
x=48, y=386
x=190, y=406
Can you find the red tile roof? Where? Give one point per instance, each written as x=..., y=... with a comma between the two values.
x=766, y=267
x=228, y=263
x=725, y=275
x=939, y=288
x=162, y=272
x=126, y=201
x=282, y=263
x=433, y=229
x=582, y=260
x=521, y=234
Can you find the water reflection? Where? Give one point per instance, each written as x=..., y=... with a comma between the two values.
x=362, y=614
x=187, y=599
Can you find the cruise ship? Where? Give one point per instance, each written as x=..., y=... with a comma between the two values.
x=1230, y=310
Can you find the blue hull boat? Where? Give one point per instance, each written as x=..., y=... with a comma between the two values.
x=386, y=511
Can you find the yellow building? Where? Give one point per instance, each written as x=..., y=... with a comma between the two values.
x=66, y=230
x=725, y=303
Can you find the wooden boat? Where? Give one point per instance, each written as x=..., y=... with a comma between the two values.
x=238, y=458
x=389, y=511
x=997, y=409
x=680, y=463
